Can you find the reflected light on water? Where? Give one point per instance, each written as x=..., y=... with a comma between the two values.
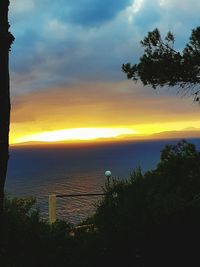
x=75, y=209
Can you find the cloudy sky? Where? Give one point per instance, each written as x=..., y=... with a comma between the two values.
x=65, y=66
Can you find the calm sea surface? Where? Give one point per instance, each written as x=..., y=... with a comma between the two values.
x=67, y=169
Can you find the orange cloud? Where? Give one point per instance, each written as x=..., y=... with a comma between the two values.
x=98, y=105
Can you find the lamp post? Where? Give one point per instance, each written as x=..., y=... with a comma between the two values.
x=108, y=175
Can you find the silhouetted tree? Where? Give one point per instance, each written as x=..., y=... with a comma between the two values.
x=162, y=65
x=155, y=215
x=6, y=39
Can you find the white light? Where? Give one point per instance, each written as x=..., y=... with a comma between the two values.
x=77, y=134
x=108, y=174
x=137, y=5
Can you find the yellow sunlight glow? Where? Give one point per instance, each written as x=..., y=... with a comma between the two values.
x=76, y=134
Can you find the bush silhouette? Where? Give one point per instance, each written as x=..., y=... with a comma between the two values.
x=151, y=219
x=154, y=217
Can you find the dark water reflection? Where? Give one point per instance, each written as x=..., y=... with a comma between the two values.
x=67, y=169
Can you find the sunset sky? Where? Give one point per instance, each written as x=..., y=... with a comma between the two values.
x=65, y=68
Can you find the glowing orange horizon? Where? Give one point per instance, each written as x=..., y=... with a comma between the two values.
x=31, y=134
x=75, y=134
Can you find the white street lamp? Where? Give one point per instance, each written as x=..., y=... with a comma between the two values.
x=108, y=175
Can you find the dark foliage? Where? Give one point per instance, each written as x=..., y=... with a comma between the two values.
x=151, y=219
x=29, y=241
x=162, y=65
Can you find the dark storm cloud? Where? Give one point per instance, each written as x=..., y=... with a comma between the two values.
x=64, y=42
x=88, y=12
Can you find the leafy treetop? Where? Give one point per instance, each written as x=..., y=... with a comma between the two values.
x=162, y=65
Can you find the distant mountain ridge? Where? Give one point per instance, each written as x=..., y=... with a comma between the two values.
x=185, y=133
x=190, y=132
x=177, y=134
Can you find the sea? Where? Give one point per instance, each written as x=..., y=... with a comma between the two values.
x=40, y=171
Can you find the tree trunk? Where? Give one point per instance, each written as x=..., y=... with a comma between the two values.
x=6, y=40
